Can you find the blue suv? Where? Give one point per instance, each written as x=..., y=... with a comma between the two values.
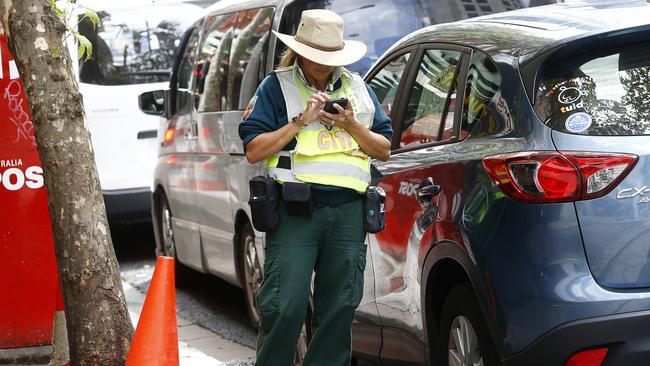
x=517, y=193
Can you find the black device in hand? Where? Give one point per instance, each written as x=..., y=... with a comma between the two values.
x=329, y=105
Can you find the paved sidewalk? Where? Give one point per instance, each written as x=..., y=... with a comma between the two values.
x=197, y=346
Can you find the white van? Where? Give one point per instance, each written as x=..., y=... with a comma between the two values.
x=133, y=52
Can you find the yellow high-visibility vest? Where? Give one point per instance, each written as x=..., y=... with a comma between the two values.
x=323, y=156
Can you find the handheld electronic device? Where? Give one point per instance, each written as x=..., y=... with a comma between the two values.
x=329, y=105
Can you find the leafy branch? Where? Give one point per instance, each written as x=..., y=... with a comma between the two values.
x=71, y=8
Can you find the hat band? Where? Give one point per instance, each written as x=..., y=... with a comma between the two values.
x=318, y=47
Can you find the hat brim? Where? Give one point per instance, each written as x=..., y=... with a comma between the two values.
x=352, y=51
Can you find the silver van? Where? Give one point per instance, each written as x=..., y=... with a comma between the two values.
x=200, y=209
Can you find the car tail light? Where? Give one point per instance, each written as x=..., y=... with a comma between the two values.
x=591, y=357
x=551, y=176
x=168, y=137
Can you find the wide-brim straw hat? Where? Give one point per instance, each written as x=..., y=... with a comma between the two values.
x=319, y=38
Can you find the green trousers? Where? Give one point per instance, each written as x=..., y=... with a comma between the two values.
x=331, y=245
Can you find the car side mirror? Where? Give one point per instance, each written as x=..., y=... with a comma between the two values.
x=153, y=102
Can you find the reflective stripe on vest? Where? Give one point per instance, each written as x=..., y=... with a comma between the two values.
x=330, y=157
x=280, y=174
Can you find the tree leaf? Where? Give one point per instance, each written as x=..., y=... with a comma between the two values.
x=84, y=47
x=57, y=11
x=92, y=16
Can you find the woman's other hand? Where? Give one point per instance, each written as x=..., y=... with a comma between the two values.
x=344, y=119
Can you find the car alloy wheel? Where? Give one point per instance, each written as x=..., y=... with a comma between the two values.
x=167, y=231
x=463, y=344
x=182, y=274
x=252, y=271
x=464, y=339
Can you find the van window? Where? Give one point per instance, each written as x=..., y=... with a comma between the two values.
x=247, y=55
x=483, y=82
x=133, y=44
x=186, y=70
x=604, y=93
x=212, y=62
x=430, y=110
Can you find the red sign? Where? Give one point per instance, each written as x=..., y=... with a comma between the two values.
x=28, y=280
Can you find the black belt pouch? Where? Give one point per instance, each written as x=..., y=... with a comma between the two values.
x=298, y=198
x=264, y=203
x=374, y=212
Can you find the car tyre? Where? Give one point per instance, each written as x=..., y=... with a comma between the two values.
x=182, y=273
x=252, y=272
x=464, y=339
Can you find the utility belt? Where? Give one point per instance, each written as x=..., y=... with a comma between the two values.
x=265, y=193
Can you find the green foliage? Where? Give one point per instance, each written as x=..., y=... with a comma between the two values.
x=84, y=46
x=70, y=8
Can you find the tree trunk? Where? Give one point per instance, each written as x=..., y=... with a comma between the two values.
x=99, y=327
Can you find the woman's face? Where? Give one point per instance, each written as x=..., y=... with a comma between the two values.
x=315, y=70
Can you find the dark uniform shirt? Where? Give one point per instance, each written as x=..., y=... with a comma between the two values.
x=267, y=112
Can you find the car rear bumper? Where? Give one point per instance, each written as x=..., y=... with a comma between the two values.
x=126, y=206
x=626, y=336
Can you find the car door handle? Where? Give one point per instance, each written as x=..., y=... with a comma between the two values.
x=148, y=134
x=191, y=133
x=427, y=190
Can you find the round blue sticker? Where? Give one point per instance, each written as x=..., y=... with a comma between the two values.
x=578, y=122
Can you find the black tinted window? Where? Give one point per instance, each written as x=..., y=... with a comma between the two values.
x=386, y=82
x=380, y=23
x=213, y=60
x=431, y=105
x=247, y=55
x=135, y=45
x=483, y=82
x=604, y=93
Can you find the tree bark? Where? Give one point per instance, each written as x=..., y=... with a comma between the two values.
x=99, y=327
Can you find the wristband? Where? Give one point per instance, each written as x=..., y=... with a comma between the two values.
x=297, y=120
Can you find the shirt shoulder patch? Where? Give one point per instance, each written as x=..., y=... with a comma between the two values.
x=249, y=109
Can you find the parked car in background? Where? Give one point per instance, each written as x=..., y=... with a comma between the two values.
x=517, y=200
x=200, y=210
x=132, y=52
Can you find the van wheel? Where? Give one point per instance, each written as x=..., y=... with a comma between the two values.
x=464, y=339
x=181, y=272
x=252, y=271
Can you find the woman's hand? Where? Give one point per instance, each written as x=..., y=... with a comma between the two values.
x=371, y=143
x=314, y=105
x=344, y=119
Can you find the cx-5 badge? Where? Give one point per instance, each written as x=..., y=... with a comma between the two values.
x=635, y=192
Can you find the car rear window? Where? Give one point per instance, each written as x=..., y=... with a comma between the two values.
x=601, y=94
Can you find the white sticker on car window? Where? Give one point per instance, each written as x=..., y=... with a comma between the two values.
x=578, y=122
x=569, y=95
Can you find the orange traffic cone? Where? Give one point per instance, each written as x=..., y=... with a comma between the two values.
x=156, y=337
